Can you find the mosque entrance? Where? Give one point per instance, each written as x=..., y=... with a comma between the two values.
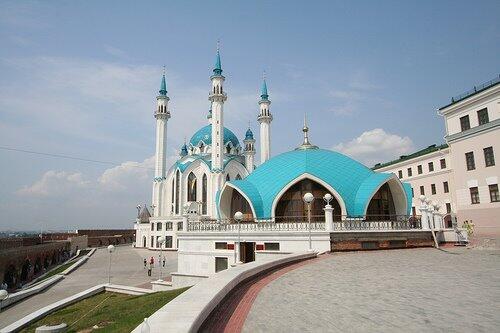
x=247, y=252
x=291, y=204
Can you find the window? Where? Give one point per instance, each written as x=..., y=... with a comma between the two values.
x=474, y=195
x=221, y=245
x=204, y=194
x=168, y=242
x=152, y=227
x=412, y=193
x=179, y=225
x=422, y=190
x=177, y=185
x=464, y=123
x=152, y=241
x=158, y=241
x=413, y=211
x=489, y=157
x=446, y=189
x=494, y=196
x=448, y=208
x=431, y=166
x=191, y=187
x=158, y=226
x=220, y=264
x=173, y=189
x=469, y=160
x=168, y=226
x=433, y=188
x=400, y=174
x=409, y=172
x=272, y=246
x=443, y=163
x=419, y=169
x=482, y=116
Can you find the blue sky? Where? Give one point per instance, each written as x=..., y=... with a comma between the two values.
x=80, y=79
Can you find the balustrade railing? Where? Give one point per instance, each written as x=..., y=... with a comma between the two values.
x=299, y=223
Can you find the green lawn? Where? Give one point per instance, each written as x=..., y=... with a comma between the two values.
x=111, y=312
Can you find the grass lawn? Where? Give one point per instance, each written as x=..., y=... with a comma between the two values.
x=111, y=312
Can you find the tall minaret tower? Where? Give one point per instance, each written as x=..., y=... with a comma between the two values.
x=217, y=96
x=162, y=114
x=265, y=117
x=249, y=150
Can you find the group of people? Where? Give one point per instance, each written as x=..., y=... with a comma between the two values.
x=161, y=261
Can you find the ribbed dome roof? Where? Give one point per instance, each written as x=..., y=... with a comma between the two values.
x=205, y=134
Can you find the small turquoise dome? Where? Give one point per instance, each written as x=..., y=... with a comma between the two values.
x=249, y=134
x=205, y=134
x=184, y=150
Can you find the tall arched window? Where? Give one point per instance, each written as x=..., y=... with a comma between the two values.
x=173, y=197
x=238, y=177
x=191, y=187
x=177, y=188
x=228, y=149
x=204, y=194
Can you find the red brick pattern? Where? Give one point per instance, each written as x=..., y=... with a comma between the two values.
x=231, y=313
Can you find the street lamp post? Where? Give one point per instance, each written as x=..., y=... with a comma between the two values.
x=238, y=216
x=3, y=295
x=111, y=249
x=161, y=240
x=308, y=199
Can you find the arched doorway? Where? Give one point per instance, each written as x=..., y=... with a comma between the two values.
x=143, y=241
x=381, y=206
x=240, y=204
x=291, y=205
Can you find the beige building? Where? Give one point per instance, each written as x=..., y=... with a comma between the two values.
x=461, y=175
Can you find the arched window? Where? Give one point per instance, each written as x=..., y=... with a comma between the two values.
x=228, y=178
x=228, y=149
x=177, y=188
x=173, y=198
x=238, y=177
x=291, y=203
x=204, y=195
x=381, y=205
x=191, y=187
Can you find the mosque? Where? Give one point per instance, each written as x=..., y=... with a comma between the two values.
x=216, y=176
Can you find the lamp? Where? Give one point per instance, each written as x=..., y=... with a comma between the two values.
x=161, y=240
x=3, y=295
x=111, y=249
x=308, y=199
x=238, y=216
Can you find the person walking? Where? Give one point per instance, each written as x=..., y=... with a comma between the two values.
x=145, y=263
x=150, y=269
x=164, y=261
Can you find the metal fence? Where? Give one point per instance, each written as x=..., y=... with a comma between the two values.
x=300, y=223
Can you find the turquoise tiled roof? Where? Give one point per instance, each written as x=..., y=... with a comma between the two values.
x=263, y=91
x=205, y=134
x=184, y=164
x=163, y=86
x=249, y=134
x=407, y=187
x=354, y=182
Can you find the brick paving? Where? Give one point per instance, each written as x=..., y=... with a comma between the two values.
x=452, y=290
x=231, y=313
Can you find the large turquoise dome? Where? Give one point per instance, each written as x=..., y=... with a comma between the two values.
x=204, y=134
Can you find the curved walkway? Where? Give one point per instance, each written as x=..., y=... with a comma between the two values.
x=126, y=269
x=453, y=290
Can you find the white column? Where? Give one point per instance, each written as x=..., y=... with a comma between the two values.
x=328, y=218
x=424, y=219
x=185, y=222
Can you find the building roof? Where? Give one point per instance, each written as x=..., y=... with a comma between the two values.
x=263, y=91
x=144, y=215
x=163, y=86
x=476, y=90
x=249, y=134
x=204, y=134
x=353, y=181
x=402, y=158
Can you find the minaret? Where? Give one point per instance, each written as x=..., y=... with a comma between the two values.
x=162, y=114
x=249, y=150
x=265, y=117
x=217, y=96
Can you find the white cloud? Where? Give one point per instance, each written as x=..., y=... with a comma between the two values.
x=376, y=146
x=127, y=176
x=55, y=183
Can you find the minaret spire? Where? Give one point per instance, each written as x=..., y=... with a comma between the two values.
x=163, y=86
x=265, y=117
x=306, y=144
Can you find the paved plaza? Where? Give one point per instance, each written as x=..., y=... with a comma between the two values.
x=452, y=290
x=126, y=269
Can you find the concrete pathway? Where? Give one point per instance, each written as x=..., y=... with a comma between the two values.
x=126, y=269
x=418, y=290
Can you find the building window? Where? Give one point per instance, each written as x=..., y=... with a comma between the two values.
x=422, y=190
x=204, y=194
x=448, y=208
x=220, y=264
x=464, y=123
x=400, y=174
x=446, y=189
x=272, y=246
x=413, y=211
x=469, y=159
x=168, y=226
x=152, y=244
x=173, y=194
x=412, y=193
x=179, y=225
x=221, y=245
x=158, y=226
x=494, y=196
x=482, y=116
x=433, y=188
x=158, y=241
x=443, y=163
x=177, y=188
x=474, y=195
x=152, y=227
x=489, y=157
x=431, y=166
x=419, y=169
x=168, y=242
x=409, y=172
x=191, y=187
